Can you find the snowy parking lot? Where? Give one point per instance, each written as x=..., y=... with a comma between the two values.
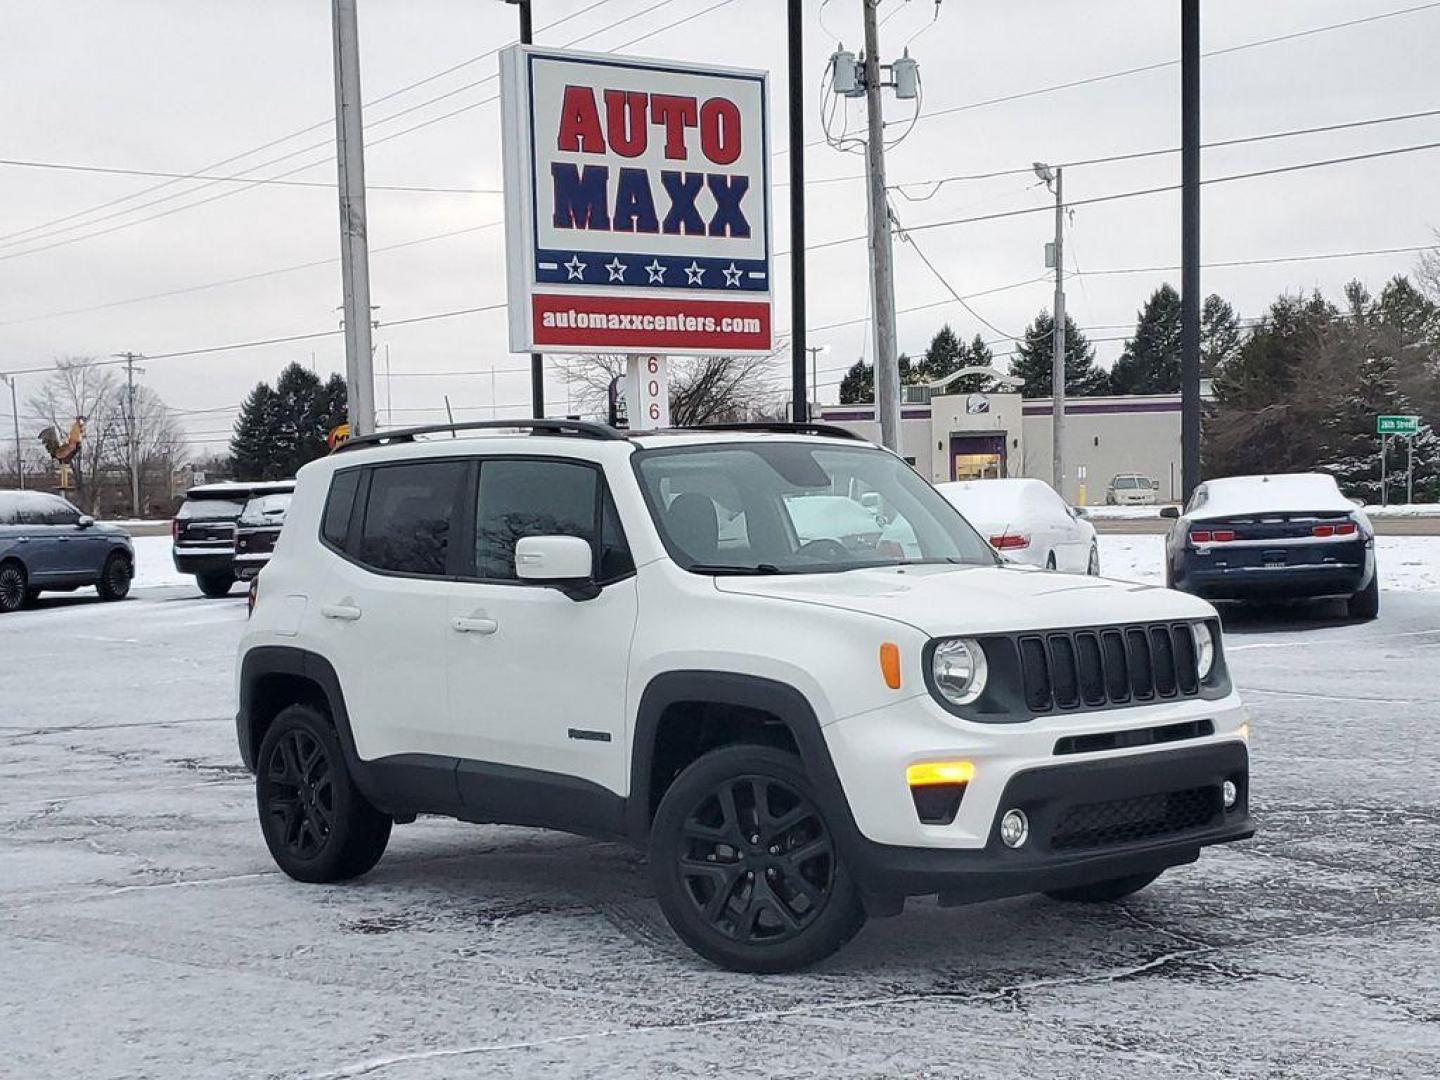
x=145, y=932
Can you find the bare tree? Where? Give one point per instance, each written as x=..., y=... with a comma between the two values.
x=159, y=443
x=703, y=389
x=1427, y=271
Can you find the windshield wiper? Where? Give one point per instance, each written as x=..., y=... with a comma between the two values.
x=716, y=568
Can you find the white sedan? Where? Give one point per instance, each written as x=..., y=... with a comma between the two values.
x=1027, y=522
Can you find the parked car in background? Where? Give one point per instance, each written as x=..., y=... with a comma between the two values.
x=1130, y=489
x=1291, y=536
x=47, y=545
x=1026, y=521
x=256, y=531
x=204, y=530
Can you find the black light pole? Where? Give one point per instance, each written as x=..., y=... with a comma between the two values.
x=1189, y=246
x=537, y=363
x=798, y=394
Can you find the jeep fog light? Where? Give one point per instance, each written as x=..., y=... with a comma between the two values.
x=1229, y=793
x=1014, y=828
x=959, y=670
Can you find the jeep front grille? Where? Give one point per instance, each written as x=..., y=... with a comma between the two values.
x=1125, y=821
x=1112, y=666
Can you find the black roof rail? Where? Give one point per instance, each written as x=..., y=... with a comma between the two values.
x=584, y=429
x=778, y=427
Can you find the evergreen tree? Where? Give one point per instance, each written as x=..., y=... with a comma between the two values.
x=1351, y=446
x=944, y=356
x=976, y=354
x=858, y=385
x=1033, y=358
x=282, y=428
x=1150, y=363
x=1219, y=334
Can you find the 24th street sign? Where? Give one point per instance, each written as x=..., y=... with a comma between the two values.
x=1397, y=425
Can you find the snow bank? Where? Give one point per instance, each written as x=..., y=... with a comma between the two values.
x=153, y=564
x=1407, y=563
x=1126, y=512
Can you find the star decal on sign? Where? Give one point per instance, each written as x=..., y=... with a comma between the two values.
x=617, y=270
x=575, y=269
x=694, y=275
x=732, y=276
x=656, y=272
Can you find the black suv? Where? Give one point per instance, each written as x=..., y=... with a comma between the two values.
x=204, y=530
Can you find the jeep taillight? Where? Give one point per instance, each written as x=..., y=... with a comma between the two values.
x=174, y=529
x=252, y=597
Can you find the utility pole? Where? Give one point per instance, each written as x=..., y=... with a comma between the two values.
x=15, y=415
x=354, y=246
x=1189, y=246
x=800, y=398
x=887, y=370
x=130, y=432
x=814, y=351
x=1057, y=344
x=537, y=361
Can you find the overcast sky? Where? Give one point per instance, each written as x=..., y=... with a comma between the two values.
x=182, y=85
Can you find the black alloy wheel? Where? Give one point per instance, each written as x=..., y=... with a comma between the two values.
x=115, y=578
x=14, y=586
x=757, y=862
x=301, y=800
x=316, y=823
x=746, y=866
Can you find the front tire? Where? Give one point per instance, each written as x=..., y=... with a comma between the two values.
x=317, y=825
x=1103, y=892
x=1366, y=603
x=114, y=583
x=215, y=585
x=14, y=587
x=746, y=866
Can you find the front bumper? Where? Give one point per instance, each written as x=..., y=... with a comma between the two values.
x=1017, y=766
x=1090, y=821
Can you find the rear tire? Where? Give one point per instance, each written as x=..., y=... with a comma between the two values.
x=114, y=583
x=1103, y=892
x=215, y=585
x=1366, y=603
x=14, y=587
x=746, y=866
x=317, y=825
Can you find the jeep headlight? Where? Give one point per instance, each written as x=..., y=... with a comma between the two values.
x=958, y=670
x=1204, y=650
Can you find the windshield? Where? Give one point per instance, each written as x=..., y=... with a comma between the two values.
x=796, y=508
x=266, y=510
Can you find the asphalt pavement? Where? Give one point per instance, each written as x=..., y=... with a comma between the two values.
x=144, y=931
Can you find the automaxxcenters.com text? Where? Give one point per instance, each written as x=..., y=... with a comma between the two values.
x=650, y=322
x=678, y=323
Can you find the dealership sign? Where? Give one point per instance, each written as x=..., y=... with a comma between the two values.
x=637, y=205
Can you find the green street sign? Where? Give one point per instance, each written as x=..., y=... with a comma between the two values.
x=1397, y=425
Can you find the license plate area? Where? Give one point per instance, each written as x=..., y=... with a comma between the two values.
x=1274, y=559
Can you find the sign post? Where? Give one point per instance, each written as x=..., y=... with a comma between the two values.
x=637, y=211
x=1385, y=427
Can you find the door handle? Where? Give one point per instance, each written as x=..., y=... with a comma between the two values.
x=343, y=612
x=474, y=625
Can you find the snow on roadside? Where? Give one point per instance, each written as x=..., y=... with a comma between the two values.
x=1407, y=563
x=153, y=564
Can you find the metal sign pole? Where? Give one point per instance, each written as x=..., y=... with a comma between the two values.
x=1410, y=473
x=1384, y=499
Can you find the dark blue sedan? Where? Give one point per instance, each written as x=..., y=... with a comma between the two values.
x=47, y=545
x=1280, y=537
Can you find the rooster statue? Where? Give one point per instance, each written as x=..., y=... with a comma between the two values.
x=64, y=451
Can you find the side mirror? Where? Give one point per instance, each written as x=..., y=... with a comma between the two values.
x=566, y=561
x=1169, y=511
x=85, y=521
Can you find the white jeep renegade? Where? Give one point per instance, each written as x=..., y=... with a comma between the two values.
x=773, y=655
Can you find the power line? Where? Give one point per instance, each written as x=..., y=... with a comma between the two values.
x=328, y=121
x=60, y=166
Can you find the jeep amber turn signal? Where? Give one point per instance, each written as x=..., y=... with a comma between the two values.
x=890, y=664
x=926, y=773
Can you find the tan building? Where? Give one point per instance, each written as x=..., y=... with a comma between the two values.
x=973, y=436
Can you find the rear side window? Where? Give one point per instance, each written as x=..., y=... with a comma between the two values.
x=338, y=506
x=408, y=515
x=520, y=498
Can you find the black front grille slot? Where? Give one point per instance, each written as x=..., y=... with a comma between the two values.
x=1126, y=740
x=1128, y=821
x=1035, y=674
x=1064, y=678
x=1162, y=660
x=1117, y=667
x=1184, y=643
x=1091, y=666
x=1142, y=676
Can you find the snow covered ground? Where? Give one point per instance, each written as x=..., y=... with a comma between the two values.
x=145, y=933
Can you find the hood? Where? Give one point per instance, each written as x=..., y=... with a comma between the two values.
x=943, y=600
